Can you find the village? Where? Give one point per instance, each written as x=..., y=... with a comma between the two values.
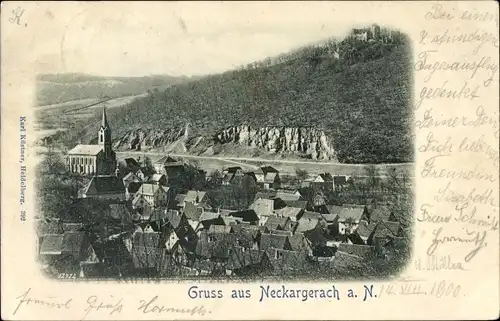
x=168, y=218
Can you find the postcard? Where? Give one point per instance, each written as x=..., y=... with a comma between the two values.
x=250, y=160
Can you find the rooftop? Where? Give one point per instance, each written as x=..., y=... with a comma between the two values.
x=86, y=150
x=105, y=184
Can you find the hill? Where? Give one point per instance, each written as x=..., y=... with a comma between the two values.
x=347, y=100
x=59, y=88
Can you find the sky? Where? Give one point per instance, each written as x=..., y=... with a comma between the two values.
x=136, y=39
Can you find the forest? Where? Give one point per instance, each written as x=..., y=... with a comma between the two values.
x=357, y=90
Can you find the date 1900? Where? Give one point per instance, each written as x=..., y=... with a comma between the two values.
x=437, y=289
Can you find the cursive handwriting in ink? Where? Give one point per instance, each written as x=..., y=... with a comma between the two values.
x=476, y=238
x=16, y=16
x=50, y=302
x=152, y=307
x=94, y=304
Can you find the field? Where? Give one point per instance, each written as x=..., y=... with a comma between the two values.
x=286, y=167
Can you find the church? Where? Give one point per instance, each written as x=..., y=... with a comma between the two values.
x=97, y=159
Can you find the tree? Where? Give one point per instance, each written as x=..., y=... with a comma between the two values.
x=215, y=179
x=192, y=178
x=373, y=177
x=248, y=189
x=148, y=166
x=56, y=187
x=301, y=174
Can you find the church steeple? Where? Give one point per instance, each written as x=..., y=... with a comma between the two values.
x=104, y=122
x=105, y=134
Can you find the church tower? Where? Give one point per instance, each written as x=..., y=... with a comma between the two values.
x=105, y=135
x=107, y=160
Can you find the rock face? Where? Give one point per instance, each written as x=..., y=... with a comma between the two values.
x=303, y=141
x=299, y=140
x=139, y=139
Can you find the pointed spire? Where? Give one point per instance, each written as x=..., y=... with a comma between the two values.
x=104, y=122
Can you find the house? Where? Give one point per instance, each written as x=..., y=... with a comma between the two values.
x=198, y=198
x=219, y=229
x=179, y=223
x=132, y=183
x=105, y=187
x=275, y=241
x=231, y=220
x=300, y=243
x=375, y=214
x=132, y=189
x=179, y=202
x=229, y=175
x=363, y=251
x=294, y=213
x=383, y=232
x=323, y=181
x=171, y=168
x=215, y=246
x=339, y=182
x=140, y=201
x=70, y=247
x=180, y=237
x=129, y=178
x=313, y=230
x=155, y=195
x=97, y=159
x=248, y=216
x=179, y=249
x=307, y=224
x=328, y=209
x=132, y=164
x=363, y=232
x=193, y=214
x=349, y=218
x=287, y=261
x=272, y=180
x=265, y=207
x=298, y=204
x=316, y=216
x=259, y=177
x=267, y=177
x=278, y=223
x=248, y=262
x=158, y=179
x=160, y=164
x=209, y=218
x=313, y=215
x=267, y=194
x=289, y=195
x=247, y=236
x=140, y=174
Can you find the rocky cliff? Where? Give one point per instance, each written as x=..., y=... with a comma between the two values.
x=305, y=141
x=300, y=141
x=139, y=139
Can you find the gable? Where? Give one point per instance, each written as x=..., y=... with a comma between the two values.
x=319, y=179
